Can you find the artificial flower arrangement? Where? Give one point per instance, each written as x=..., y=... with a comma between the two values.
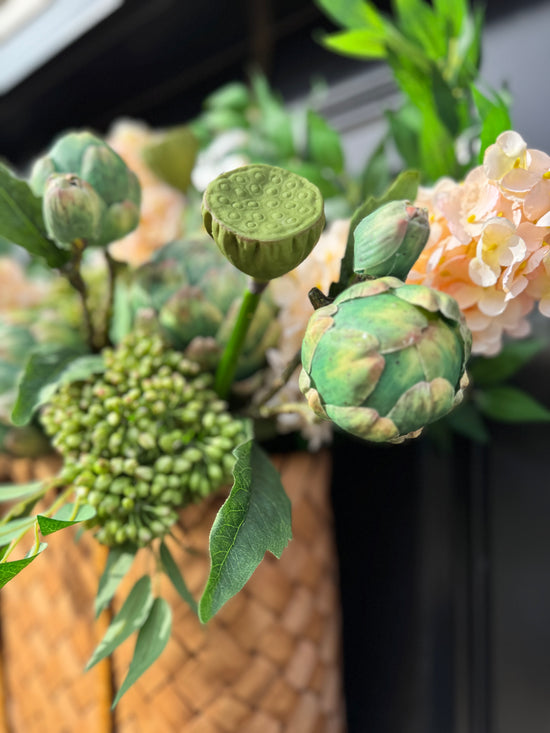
x=151, y=380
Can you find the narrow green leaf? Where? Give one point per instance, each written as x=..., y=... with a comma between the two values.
x=172, y=571
x=12, y=529
x=11, y=492
x=495, y=118
x=65, y=518
x=274, y=122
x=509, y=404
x=359, y=44
x=453, y=11
x=21, y=219
x=489, y=371
x=130, y=618
x=255, y=518
x=152, y=638
x=418, y=22
x=376, y=176
x=45, y=369
x=467, y=421
x=323, y=143
x=352, y=13
x=118, y=563
x=405, y=124
x=10, y=569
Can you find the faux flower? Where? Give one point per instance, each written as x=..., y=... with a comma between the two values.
x=161, y=206
x=17, y=290
x=489, y=241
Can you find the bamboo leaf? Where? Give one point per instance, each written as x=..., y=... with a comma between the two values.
x=172, y=571
x=118, y=563
x=490, y=371
x=509, y=404
x=359, y=44
x=131, y=617
x=152, y=638
x=352, y=13
x=255, y=518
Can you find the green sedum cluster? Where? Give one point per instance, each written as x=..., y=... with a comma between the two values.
x=146, y=437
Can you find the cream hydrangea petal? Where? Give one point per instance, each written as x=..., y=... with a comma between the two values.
x=492, y=302
x=509, y=151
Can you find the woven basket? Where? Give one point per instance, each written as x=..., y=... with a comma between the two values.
x=269, y=662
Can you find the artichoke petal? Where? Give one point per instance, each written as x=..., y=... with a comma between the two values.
x=364, y=422
x=421, y=404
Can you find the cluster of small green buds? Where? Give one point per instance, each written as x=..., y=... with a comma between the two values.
x=142, y=440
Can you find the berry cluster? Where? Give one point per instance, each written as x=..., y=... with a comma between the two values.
x=145, y=438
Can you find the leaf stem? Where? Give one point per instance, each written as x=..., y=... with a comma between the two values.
x=74, y=276
x=228, y=363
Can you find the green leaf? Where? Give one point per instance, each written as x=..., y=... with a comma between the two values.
x=118, y=563
x=130, y=618
x=467, y=421
x=489, y=371
x=13, y=529
x=46, y=368
x=323, y=143
x=172, y=571
x=509, y=404
x=234, y=95
x=274, y=122
x=255, y=518
x=495, y=118
x=352, y=13
x=10, y=569
x=419, y=23
x=405, y=124
x=65, y=517
x=10, y=492
x=376, y=176
x=152, y=638
x=21, y=219
x=359, y=44
x=453, y=11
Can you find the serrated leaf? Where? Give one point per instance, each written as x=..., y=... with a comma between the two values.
x=14, y=528
x=152, y=638
x=490, y=371
x=21, y=219
x=509, y=404
x=255, y=518
x=118, y=563
x=46, y=368
x=172, y=571
x=11, y=492
x=323, y=143
x=64, y=518
x=10, y=569
x=131, y=617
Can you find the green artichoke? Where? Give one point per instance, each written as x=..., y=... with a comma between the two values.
x=390, y=239
x=95, y=199
x=196, y=293
x=385, y=359
x=143, y=439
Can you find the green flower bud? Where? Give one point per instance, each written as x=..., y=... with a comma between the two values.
x=385, y=359
x=72, y=210
x=265, y=220
x=390, y=239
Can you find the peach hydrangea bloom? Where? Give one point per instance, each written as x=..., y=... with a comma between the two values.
x=162, y=207
x=289, y=292
x=16, y=289
x=489, y=244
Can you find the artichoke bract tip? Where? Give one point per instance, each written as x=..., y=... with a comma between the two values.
x=265, y=220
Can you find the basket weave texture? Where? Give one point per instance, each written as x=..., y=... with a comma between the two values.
x=269, y=662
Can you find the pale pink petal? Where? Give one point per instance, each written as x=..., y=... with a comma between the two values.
x=492, y=302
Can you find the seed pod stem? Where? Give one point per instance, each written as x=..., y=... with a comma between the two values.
x=228, y=363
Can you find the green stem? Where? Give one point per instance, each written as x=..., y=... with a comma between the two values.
x=112, y=267
x=228, y=363
x=74, y=276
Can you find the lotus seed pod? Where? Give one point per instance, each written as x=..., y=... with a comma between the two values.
x=385, y=359
x=72, y=209
x=265, y=220
x=90, y=160
x=136, y=461
x=390, y=239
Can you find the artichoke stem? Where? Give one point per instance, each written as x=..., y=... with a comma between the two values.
x=228, y=363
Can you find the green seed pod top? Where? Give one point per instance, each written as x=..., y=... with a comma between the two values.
x=390, y=239
x=385, y=359
x=264, y=219
x=91, y=160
